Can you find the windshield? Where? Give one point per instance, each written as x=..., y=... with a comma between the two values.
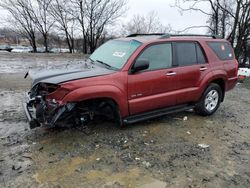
x=115, y=53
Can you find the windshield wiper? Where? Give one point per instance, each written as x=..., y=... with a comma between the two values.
x=106, y=64
x=91, y=60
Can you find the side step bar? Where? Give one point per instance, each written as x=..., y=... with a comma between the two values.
x=156, y=113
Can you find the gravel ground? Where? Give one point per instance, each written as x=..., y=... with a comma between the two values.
x=164, y=152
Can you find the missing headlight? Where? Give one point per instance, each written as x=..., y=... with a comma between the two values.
x=43, y=89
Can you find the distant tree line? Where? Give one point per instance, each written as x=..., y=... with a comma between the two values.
x=86, y=19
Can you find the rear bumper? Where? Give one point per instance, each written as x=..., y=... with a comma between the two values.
x=231, y=83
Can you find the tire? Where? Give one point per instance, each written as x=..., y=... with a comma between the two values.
x=210, y=100
x=117, y=116
x=34, y=124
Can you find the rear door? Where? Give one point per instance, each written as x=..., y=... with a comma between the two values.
x=192, y=67
x=153, y=88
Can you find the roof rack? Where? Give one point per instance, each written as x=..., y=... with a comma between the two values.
x=168, y=35
x=144, y=34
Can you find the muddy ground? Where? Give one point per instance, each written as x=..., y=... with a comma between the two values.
x=163, y=152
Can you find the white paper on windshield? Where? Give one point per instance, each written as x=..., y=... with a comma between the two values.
x=119, y=54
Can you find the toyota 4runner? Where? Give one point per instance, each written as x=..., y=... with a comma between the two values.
x=133, y=79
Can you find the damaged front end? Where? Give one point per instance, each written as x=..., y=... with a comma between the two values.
x=43, y=107
x=44, y=104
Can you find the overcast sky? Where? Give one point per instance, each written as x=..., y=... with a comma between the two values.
x=167, y=14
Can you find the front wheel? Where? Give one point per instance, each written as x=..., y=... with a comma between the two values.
x=210, y=100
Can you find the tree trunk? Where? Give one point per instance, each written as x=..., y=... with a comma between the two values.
x=92, y=48
x=217, y=21
x=45, y=42
x=33, y=42
x=84, y=43
x=72, y=45
x=68, y=42
x=223, y=24
x=233, y=33
x=33, y=45
x=85, y=51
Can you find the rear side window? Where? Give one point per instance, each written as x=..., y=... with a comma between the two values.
x=186, y=53
x=223, y=50
x=159, y=56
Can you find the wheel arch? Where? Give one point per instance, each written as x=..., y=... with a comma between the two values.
x=221, y=83
x=100, y=92
x=218, y=77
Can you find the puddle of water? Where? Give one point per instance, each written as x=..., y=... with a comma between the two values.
x=65, y=174
x=130, y=178
x=58, y=171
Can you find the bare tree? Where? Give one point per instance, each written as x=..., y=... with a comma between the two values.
x=193, y=5
x=99, y=14
x=230, y=19
x=79, y=7
x=41, y=17
x=20, y=11
x=145, y=24
x=241, y=30
x=62, y=13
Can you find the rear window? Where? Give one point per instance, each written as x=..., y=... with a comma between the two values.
x=223, y=50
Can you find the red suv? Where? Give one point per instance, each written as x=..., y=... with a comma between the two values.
x=135, y=78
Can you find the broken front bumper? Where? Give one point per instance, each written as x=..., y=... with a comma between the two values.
x=30, y=110
x=49, y=112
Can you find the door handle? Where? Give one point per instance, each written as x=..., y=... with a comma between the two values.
x=203, y=68
x=171, y=73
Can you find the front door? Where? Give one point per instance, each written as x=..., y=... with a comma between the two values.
x=155, y=87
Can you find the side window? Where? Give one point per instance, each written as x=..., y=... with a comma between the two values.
x=200, y=55
x=159, y=56
x=223, y=50
x=186, y=53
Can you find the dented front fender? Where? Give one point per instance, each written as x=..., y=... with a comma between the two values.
x=99, y=91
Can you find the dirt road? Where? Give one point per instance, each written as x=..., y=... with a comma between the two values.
x=163, y=152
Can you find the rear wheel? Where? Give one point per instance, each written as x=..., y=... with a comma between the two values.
x=210, y=100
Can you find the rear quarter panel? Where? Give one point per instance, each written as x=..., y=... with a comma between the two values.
x=225, y=69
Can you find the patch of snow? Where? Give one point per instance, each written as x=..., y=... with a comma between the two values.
x=203, y=146
x=244, y=72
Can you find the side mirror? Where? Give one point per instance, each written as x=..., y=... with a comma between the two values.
x=140, y=64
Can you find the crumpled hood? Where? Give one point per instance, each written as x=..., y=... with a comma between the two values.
x=57, y=75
